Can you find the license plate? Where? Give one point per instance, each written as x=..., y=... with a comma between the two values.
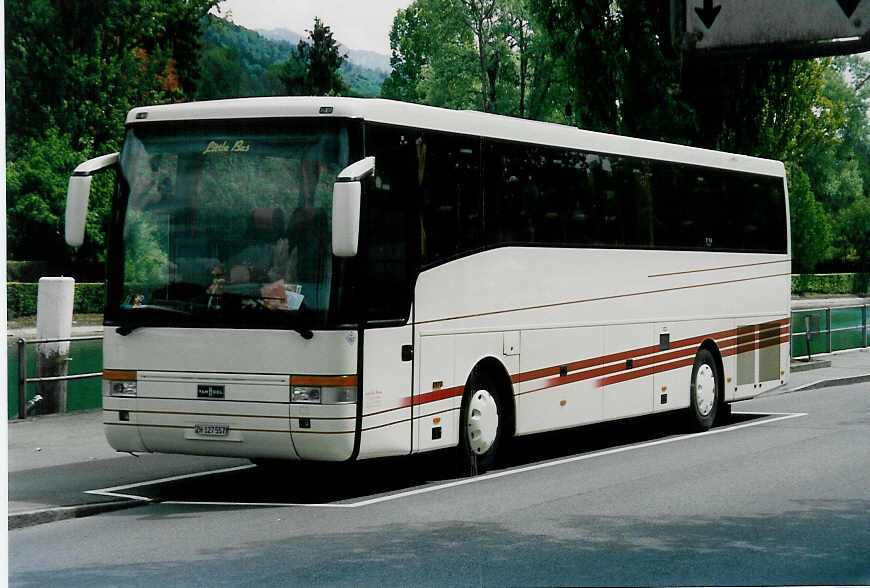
x=209, y=391
x=211, y=430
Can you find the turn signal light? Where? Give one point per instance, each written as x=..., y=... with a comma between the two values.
x=120, y=382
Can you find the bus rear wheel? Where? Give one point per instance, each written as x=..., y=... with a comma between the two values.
x=704, y=393
x=481, y=423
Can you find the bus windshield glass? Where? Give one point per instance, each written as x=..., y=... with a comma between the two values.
x=229, y=222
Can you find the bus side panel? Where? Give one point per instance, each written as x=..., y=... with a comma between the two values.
x=634, y=396
x=548, y=401
x=438, y=394
x=386, y=423
x=674, y=360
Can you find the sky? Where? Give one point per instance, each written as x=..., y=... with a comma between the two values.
x=356, y=24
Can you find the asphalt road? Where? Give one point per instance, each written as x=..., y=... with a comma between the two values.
x=779, y=497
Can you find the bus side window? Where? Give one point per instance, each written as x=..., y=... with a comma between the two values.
x=390, y=224
x=451, y=207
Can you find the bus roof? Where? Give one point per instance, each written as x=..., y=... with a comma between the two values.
x=455, y=121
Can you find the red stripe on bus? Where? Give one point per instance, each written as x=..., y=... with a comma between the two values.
x=730, y=342
x=634, y=374
x=437, y=395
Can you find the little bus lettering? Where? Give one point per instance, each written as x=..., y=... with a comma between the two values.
x=224, y=147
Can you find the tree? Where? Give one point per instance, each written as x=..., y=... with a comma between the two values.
x=480, y=54
x=36, y=186
x=585, y=39
x=314, y=67
x=854, y=226
x=410, y=49
x=433, y=56
x=811, y=234
x=83, y=65
x=221, y=75
x=73, y=70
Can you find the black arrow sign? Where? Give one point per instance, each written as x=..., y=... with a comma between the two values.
x=708, y=13
x=848, y=6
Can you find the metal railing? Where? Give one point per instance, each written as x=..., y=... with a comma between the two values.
x=818, y=323
x=23, y=380
x=811, y=322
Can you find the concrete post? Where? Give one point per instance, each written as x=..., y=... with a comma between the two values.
x=54, y=306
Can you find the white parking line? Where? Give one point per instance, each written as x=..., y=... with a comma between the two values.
x=777, y=416
x=113, y=492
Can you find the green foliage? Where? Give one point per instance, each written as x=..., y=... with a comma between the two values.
x=480, y=54
x=222, y=72
x=88, y=298
x=237, y=62
x=811, y=234
x=830, y=284
x=82, y=65
x=146, y=261
x=36, y=184
x=21, y=299
x=854, y=236
x=73, y=70
x=314, y=68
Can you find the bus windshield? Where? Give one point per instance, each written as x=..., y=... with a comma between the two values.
x=229, y=222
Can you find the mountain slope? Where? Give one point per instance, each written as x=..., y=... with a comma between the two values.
x=238, y=62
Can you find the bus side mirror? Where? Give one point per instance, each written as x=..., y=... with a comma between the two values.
x=346, y=198
x=346, y=206
x=78, y=193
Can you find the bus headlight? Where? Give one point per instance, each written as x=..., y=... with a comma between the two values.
x=305, y=394
x=120, y=382
x=323, y=395
x=122, y=388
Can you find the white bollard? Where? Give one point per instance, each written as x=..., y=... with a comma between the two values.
x=54, y=308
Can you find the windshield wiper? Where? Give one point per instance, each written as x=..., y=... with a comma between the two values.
x=307, y=334
x=128, y=328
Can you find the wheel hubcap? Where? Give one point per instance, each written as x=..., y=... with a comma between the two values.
x=482, y=422
x=705, y=389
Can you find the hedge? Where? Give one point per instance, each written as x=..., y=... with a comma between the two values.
x=21, y=298
x=91, y=298
x=831, y=284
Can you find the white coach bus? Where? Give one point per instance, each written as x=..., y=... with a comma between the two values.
x=337, y=279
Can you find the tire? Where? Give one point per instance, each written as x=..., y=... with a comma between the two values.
x=704, y=393
x=481, y=424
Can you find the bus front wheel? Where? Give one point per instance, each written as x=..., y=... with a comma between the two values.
x=704, y=394
x=480, y=420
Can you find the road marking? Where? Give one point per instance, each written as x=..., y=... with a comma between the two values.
x=113, y=491
x=777, y=416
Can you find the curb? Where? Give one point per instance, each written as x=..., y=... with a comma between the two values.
x=806, y=366
x=31, y=518
x=832, y=382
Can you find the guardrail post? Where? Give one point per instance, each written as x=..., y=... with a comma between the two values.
x=807, y=336
x=828, y=320
x=864, y=323
x=22, y=379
